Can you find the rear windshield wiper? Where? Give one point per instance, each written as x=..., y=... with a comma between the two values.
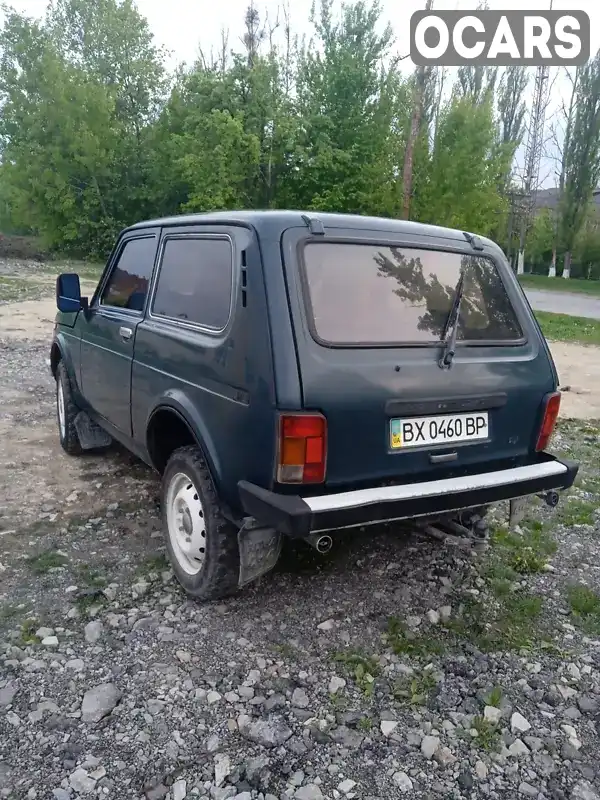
x=449, y=342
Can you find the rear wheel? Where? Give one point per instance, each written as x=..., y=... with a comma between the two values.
x=66, y=411
x=202, y=544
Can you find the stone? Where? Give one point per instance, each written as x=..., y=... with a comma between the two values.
x=7, y=694
x=300, y=698
x=184, y=656
x=347, y=737
x=444, y=756
x=574, y=671
x=445, y=613
x=60, y=794
x=402, y=782
x=465, y=780
x=81, y=782
x=587, y=705
x=429, y=746
x=433, y=616
x=326, y=626
x=212, y=698
x=346, y=786
x=388, y=726
x=309, y=792
x=222, y=769
x=492, y=714
x=518, y=723
x=43, y=633
x=335, y=684
x=50, y=641
x=583, y=790
x=528, y=790
x=518, y=748
x=481, y=770
x=93, y=631
x=76, y=664
x=266, y=733
x=99, y=702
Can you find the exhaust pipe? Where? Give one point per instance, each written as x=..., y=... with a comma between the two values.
x=322, y=544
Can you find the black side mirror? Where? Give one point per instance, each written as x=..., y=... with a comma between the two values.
x=68, y=292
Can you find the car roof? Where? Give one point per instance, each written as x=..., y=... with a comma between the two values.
x=274, y=222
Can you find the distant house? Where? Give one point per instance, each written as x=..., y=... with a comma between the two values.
x=548, y=198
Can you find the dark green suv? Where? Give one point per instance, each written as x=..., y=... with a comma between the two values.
x=292, y=374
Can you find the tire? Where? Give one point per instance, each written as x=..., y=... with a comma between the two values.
x=202, y=545
x=66, y=411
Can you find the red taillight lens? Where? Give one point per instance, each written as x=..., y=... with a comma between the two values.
x=551, y=409
x=302, y=448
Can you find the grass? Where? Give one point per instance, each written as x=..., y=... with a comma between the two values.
x=417, y=690
x=562, y=328
x=585, y=607
x=576, y=285
x=28, y=629
x=577, y=512
x=15, y=289
x=406, y=642
x=522, y=554
x=488, y=734
x=44, y=562
x=361, y=667
x=494, y=698
x=154, y=563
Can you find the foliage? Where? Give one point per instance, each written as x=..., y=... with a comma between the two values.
x=95, y=134
x=581, y=160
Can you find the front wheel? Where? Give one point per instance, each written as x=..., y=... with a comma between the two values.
x=66, y=411
x=202, y=544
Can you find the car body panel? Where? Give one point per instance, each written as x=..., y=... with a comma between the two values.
x=229, y=386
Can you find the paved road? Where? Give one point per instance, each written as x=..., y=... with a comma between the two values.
x=576, y=305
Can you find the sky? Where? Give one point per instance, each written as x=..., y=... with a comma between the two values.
x=182, y=26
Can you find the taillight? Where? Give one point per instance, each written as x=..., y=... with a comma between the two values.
x=551, y=409
x=302, y=448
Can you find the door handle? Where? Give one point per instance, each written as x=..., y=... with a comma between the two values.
x=125, y=333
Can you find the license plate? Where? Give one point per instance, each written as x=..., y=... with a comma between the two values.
x=518, y=509
x=445, y=429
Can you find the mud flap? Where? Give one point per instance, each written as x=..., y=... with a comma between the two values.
x=91, y=436
x=259, y=551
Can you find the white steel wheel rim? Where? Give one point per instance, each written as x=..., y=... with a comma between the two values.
x=60, y=404
x=186, y=523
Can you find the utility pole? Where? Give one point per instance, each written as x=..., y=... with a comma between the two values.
x=415, y=124
x=533, y=154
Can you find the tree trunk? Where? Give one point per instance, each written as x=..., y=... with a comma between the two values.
x=552, y=270
x=415, y=125
x=567, y=266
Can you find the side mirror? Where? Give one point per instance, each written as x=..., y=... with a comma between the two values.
x=68, y=292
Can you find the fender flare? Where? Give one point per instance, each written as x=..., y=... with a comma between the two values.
x=178, y=403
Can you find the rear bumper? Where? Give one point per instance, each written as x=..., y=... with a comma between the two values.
x=299, y=516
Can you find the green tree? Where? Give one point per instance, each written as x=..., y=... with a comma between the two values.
x=581, y=160
x=350, y=111
x=466, y=162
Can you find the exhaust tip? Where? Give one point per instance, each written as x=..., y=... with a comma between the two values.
x=324, y=544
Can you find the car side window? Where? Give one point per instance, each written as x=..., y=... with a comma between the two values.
x=127, y=285
x=195, y=281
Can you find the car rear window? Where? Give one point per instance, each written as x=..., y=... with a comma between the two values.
x=370, y=294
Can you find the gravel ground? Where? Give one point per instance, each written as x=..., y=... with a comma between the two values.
x=395, y=667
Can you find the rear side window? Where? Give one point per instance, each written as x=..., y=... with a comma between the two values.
x=127, y=285
x=195, y=281
x=376, y=295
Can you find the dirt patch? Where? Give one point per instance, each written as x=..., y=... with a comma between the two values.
x=25, y=247
x=579, y=372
